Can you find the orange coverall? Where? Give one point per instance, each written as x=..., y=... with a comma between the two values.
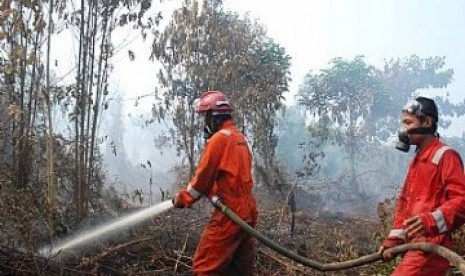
x=434, y=189
x=225, y=169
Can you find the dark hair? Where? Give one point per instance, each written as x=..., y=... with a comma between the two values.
x=430, y=109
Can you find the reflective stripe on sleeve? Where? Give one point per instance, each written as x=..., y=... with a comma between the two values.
x=439, y=153
x=194, y=193
x=226, y=132
x=440, y=221
x=397, y=233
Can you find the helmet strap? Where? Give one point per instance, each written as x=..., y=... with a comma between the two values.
x=421, y=130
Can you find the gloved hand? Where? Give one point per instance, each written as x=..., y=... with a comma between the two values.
x=176, y=202
x=388, y=243
x=182, y=200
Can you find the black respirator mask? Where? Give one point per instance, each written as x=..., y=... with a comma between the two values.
x=207, y=132
x=212, y=123
x=403, y=135
x=403, y=144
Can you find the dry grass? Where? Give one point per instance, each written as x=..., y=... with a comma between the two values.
x=165, y=246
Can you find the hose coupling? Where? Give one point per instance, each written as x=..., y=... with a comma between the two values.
x=216, y=201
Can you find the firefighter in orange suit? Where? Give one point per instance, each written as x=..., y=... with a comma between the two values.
x=225, y=170
x=431, y=203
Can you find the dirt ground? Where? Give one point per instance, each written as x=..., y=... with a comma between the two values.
x=165, y=246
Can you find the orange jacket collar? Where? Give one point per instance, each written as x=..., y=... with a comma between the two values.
x=428, y=150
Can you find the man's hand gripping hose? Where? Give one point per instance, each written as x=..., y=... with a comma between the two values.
x=442, y=251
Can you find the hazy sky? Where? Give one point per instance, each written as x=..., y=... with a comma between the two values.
x=313, y=32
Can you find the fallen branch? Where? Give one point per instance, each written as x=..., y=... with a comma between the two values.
x=288, y=265
x=181, y=262
x=114, y=249
x=180, y=254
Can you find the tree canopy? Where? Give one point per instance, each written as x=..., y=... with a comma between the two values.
x=206, y=48
x=353, y=103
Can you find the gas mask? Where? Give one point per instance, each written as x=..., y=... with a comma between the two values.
x=211, y=125
x=403, y=135
x=403, y=144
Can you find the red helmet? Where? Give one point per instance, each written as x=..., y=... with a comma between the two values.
x=214, y=101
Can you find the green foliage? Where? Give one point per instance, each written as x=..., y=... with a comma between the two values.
x=340, y=92
x=339, y=99
x=403, y=79
x=353, y=104
x=206, y=48
x=356, y=94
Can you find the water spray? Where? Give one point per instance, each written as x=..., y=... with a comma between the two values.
x=104, y=230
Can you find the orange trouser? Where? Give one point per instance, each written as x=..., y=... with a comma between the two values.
x=417, y=263
x=224, y=249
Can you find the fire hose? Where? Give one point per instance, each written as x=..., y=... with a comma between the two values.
x=442, y=251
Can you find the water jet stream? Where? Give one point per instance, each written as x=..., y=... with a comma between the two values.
x=103, y=230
